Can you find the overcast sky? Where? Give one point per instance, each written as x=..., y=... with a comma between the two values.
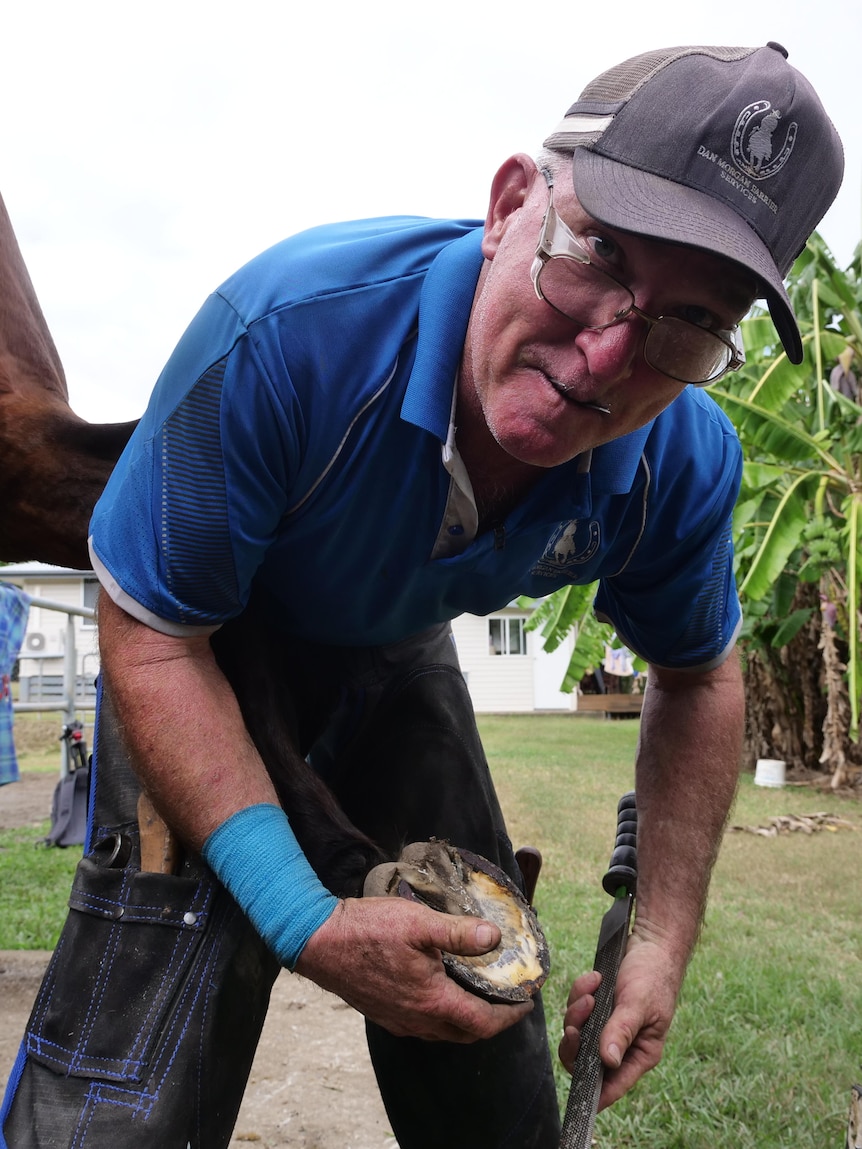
x=148, y=150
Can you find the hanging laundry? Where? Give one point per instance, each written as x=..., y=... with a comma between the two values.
x=14, y=609
x=618, y=660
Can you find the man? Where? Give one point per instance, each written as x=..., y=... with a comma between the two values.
x=367, y=431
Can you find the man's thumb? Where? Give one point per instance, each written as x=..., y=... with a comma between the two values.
x=471, y=936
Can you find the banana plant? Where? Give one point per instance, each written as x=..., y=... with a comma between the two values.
x=800, y=508
x=570, y=609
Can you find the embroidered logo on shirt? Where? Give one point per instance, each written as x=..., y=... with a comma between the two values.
x=572, y=544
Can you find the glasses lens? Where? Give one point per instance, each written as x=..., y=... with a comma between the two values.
x=686, y=352
x=591, y=298
x=583, y=293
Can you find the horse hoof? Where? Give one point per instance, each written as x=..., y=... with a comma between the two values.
x=455, y=881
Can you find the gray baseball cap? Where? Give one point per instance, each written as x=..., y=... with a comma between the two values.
x=724, y=149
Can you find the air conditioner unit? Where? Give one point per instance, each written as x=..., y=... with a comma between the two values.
x=35, y=641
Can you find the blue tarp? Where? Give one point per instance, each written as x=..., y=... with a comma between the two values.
x=14, y=608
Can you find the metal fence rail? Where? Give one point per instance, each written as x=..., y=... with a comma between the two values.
x=68, y=702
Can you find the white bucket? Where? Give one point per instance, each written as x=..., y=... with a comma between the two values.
x=769, y=772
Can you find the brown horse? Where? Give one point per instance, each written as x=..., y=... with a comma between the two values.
x=53, y=465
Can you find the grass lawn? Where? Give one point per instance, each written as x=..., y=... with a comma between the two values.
x=35, y=885
x=767, y=1040
x=35, y=881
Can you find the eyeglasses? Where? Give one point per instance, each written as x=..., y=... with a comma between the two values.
x=565, y=277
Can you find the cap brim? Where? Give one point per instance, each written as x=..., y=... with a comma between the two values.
x=638, y=201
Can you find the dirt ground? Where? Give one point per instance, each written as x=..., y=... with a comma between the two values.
x=311, y=1085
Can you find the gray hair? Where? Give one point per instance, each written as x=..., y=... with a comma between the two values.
x=558, y=162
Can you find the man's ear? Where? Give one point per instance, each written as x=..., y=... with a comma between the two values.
x=508, y=193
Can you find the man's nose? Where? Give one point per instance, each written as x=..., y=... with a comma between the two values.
x=612, y=353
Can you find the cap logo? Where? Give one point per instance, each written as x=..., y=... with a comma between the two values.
x=756, y=144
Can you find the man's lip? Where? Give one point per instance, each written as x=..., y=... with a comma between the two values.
x=561, y=389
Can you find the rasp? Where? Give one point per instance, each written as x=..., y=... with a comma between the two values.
x=620, y=882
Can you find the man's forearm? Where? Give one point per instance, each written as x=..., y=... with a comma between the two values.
x=190, y=748
x=182, y=725
x=687, y=770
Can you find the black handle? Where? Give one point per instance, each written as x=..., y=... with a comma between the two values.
x=623, y=871
x=580, y=1116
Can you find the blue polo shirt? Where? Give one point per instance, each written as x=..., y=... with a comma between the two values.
x=295, y=441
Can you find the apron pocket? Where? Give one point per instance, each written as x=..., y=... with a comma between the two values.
x=123, y=959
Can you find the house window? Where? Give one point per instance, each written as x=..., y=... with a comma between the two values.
x=506, y=636
x=91, y=594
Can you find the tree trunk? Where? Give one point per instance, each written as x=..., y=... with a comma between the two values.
x=784, y=701
x=833, y=758
x=797, y=707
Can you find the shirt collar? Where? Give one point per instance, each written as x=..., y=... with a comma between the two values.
x=615, y=464
x=444, y=312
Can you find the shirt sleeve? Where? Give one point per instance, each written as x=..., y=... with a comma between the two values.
x=196, y=498
x=675, y=600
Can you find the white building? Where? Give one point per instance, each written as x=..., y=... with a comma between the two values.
x=506, y=668
x=44, y=647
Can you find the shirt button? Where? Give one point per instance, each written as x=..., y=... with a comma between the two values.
x=456, y=529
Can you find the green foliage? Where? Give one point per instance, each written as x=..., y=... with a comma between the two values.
x=798, y=516
x=821, y=542
x=571, y=609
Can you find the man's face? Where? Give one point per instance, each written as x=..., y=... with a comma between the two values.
x=547, y=388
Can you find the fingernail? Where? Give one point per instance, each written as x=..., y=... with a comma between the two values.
x=614, y=1054
x=484, y=935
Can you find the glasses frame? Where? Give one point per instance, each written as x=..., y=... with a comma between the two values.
x=558, y=241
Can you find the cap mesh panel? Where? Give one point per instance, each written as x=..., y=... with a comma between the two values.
x=623, y=80
x=619, y=84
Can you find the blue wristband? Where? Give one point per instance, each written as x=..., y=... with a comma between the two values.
x=256, y=856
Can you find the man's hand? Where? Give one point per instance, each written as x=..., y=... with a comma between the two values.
x=633, y=1039
x=383, y=957
x=688, y=719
